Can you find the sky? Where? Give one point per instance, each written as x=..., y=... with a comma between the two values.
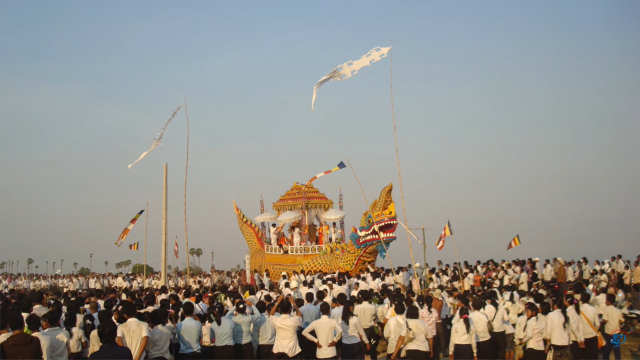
x=512, y=118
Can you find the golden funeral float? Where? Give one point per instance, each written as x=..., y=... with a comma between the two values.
x=312, y=241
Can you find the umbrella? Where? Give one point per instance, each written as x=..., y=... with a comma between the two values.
x=266, y=217
x=289, y=216
x=333, y=215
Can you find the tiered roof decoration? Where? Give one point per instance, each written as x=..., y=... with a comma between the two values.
x=293, y=198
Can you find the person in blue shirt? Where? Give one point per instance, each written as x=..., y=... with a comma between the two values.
x=242, y=332
x=222, y=333
x=189, y=333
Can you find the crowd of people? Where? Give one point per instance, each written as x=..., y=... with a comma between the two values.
x=491, y=310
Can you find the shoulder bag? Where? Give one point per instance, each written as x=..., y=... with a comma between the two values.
x=601, y=341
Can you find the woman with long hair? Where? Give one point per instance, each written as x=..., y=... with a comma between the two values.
x=463, y=338
x=420, y=347
x=575, y=323
x=88, y=327
x=222, y=333
x=558, y=329
x=533, y=334
x=428, y=313
x=352, y=333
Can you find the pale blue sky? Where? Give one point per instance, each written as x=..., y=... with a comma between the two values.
x=512, y=118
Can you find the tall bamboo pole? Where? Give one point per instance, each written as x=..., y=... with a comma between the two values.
x=395, y=136
x=367, y=201
x=146, y=228
x=186, y=170
x=424, y=249
x=163, y=278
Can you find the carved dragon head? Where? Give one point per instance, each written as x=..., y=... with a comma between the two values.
x=378, y=224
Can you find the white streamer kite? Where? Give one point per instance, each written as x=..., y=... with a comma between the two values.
x=158, y=140
x=350, y=68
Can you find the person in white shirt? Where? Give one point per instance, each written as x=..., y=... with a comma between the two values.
x=33, y=324
x=328, y=333
x=134, y=333
x=395, y=330
x=286, y=327
x=296, y=237
x=463, y=338
x=59, y=337
x=576, y=324
x=481, y=325
x=590, y=324
x=612, y=318
x=558, y=329
x=420, y=347
x=534, y=331
x=366, y=313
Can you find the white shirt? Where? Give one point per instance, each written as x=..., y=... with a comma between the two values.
x=45, y=344
x=395, y=328
x=422, y=332
x=59, y=340
x=353, y=331
x=39, y=310
x=480, y=323
x=286, y=327
x=556, y=331
x=575, y=324
x=592, y=315
x=94, y=342
x=366, y=312
x=534, y=334
x=131, y=333
x=76, y=340
x=327, y=331
x=613, y=316
x=459, y=336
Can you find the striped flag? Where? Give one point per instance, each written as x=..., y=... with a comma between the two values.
x=340, y=166
x=513, y=243
x=175, y=247
x=133, y=246
x=126, y=230
x=445, y=232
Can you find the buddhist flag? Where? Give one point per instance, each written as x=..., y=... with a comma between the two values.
x=340, y=166
x=515, y=242
x=126, y=230
x=133, y=246
x=175, y=247
x=445, y=232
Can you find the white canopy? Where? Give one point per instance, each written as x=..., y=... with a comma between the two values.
x=266, y=217
x=289, y=216
x=333, y=215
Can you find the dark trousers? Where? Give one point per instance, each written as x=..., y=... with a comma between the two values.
x=417, y=355
x=606, y=350
x=498, y=344
x=244, y=351
x=439, y=340
x=590, y=351
x=483, y=349
x=576, y=351
x=532, y=354
x=308, y=347
x=446, y=324
x=224, y=352
x=352, y=351
x=264, y=351
x=373, y=342
x=463, y=352
x=207, y=352
x=189, y=356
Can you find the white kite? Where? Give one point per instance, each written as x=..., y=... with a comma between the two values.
x=158, y=140
x=350, y=68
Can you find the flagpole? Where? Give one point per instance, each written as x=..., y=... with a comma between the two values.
x=146, y=226
x=395, y=136
x=366, y=201
x=163, y=276
x=186, y=169
x=455, y=250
